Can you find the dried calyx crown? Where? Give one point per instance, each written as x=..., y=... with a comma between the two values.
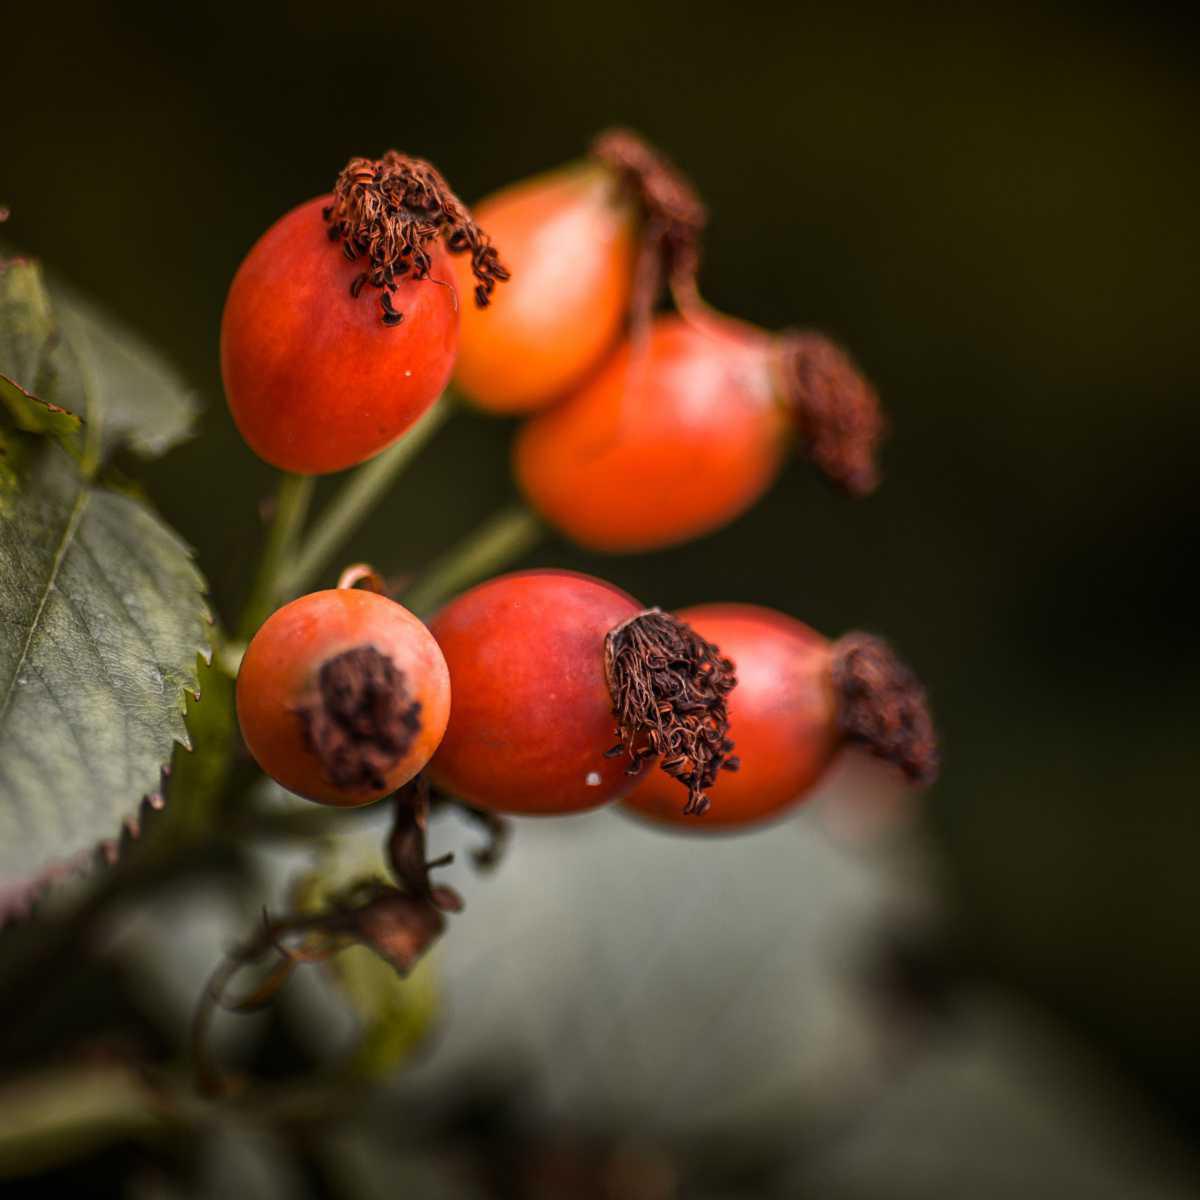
x=669, y=689
x=882, y=706
x=388, y=211
x=673, y=214
x=836, y=410
x=362, y=721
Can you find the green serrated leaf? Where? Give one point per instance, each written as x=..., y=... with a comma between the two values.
x=14, y=456
x=101, y=622
x=198, y=775
x=395, y=1014
x=33, y=360
x=59, y=356
x=132, y=396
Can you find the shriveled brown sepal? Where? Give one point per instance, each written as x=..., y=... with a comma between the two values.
x=406, y=847
x=399, y=922
x=363, y=720
x=410, y=919
x=388, y=211
x=882, y=706
x=836, y=410
x=668, y=688
x=497, y=830
x=673, y=214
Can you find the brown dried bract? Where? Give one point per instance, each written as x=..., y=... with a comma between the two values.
x=399, y=923
x=668, y=687
x=389, y=210
x=404, y=927
x=364, y=720
x=406, y=846
x=400, y=928
x=496, y=829
x=673, y=213
x=882, y=706
x=836, y=410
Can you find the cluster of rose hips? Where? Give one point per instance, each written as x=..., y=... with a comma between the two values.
x=550, y=691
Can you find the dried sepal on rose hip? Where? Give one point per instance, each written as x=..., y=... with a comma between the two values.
x=589, y=246
x=342, y=696
x=341, y=324
x=390, y=213
x=800, y=699
x=833, y=410
x=669, y=689
x=685, y=429
x=549, y=668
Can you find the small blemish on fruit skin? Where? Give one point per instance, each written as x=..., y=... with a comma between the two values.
x=592, y=779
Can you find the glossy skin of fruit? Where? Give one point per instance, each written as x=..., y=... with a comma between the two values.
x=315, y=381
x=569, y=239
x=674, y=437
x=782, y=718
x=532, y=713
x=279, y=682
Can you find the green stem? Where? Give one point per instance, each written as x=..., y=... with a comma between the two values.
x=62, y=1114
x=66, y=1113
x=499, y=541
x=358, y=496
x=291, y=505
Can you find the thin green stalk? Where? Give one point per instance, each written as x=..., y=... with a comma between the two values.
x=358, y=496
x=59, y=1115
x=291, y=506
x=499, y=541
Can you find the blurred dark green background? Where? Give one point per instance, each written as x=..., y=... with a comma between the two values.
x=994, y=208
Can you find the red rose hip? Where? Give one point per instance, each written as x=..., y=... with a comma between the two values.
x=680, y=433
x=588, y=245
x=549, y=670
x=341, y=324
x=342, y=696
x=800, y=698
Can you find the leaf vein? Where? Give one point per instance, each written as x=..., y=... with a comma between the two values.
x=69, y=531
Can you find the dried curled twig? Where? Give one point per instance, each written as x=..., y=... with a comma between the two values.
x=399, y=922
